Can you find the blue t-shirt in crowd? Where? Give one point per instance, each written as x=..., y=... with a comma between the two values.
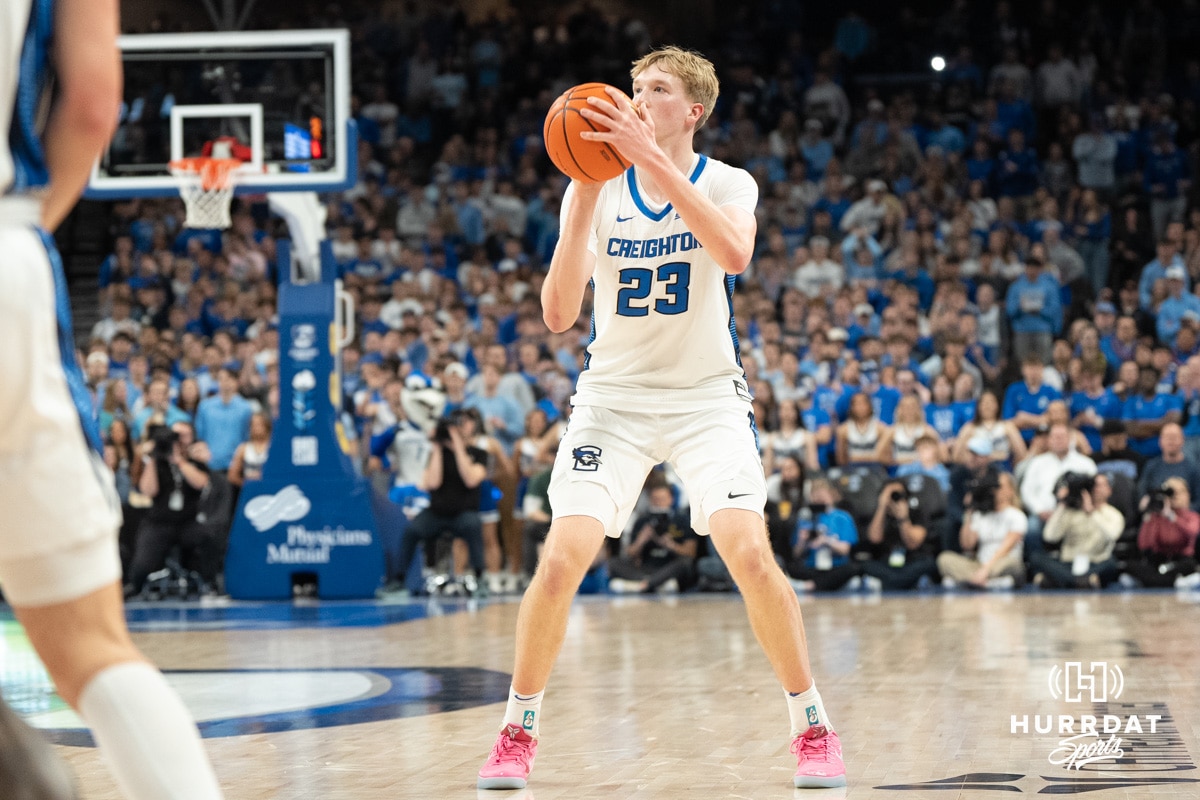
x=966, y=410
x=223, y=426
x=884, y=400
x=945, y=419
x=813, y=420
x=1106, y=405
x=937, y=472
x=836, y=524
x=1191, y=413
x=1020, y=397
x=1140, y=409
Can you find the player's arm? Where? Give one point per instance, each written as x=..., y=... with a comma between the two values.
x=572, y=264
x=88, y=67
x=727, y=232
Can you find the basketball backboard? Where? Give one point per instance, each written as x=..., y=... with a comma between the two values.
x=279, y=99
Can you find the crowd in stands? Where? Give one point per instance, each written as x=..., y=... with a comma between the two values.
x=970, y=324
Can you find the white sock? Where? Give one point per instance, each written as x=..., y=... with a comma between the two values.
x=524, y=711
x=147, y=735
x=806, y=710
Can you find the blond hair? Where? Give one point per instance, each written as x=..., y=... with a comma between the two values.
x=695, y=72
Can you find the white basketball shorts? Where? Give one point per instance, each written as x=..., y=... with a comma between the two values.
x=605, y=456
x=58, y=512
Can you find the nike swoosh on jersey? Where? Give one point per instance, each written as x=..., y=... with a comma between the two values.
x=624, y=219
x=733, y=496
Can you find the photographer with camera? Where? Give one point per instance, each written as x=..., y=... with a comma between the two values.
x=452, y=477
x=174, y=476
x=1167, y=538
x=662, y=555
x=993, y=531
x=1171, y=464
x=825, y=535
x=1088, y=527
x=977, y=467
x=1041, y=474
x=897, y=538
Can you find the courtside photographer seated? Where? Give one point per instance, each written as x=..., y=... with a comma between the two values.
x=898, y=541
x=1088, y=527
x=1167, y=539
x=175, y=476
x=825, y=535
x=991, y=537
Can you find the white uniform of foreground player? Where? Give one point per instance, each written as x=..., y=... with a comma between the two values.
x=661, y=246
x=58, y=514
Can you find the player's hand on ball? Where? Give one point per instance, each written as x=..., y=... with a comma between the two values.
x=630, y=128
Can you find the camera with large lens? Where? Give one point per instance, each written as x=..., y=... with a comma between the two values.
x=983, y=493
x=898, y=494
x=164, y=440
x=1157, y=499
x=442, y=432
x=1075, y=484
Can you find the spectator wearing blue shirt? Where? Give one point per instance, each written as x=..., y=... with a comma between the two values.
x=1025, y=402
x=1120, y=345
x=817, y=422
x=884, y=400
x=159, y=410
x=816, y=150
x=1156, y=270
x=1178, y=303
x=942, y=413
x=1017, y=168
x=1188, y=380
x=1034, y=308
x=822, y=543
x=365, y=265
x=1093, y=404
x=500, y=413
x=1147, y=412
x=1165, y=179
x=862, y=257
x=1013, y=113
x=929, y=462
x=223, y=421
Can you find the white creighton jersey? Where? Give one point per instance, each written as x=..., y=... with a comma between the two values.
x=25, y=30
x=663, y=335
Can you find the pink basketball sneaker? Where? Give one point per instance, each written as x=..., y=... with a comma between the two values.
x=510, y=762
x=818, y=754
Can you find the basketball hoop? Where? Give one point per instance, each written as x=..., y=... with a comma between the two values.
x=206, y=186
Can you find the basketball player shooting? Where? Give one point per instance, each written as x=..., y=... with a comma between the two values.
x=662, y=244
x=58, y=511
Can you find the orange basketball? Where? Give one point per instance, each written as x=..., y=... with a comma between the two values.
x=588, y=162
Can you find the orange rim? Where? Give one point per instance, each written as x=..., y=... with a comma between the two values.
x=215, y=173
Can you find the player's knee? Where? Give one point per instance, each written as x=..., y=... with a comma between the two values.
x=558, y=574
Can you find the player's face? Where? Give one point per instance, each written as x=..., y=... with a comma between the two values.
x=662, y=95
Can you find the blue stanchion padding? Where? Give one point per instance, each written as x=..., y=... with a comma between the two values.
x=311, y=512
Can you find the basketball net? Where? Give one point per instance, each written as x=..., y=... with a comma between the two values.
x=206, y=185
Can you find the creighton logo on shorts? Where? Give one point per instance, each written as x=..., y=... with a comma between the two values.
x=587, y=458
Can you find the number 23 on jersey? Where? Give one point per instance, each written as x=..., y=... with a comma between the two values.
x=637, y=284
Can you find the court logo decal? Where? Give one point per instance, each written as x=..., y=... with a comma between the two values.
x=241, y=702
x=587, y=458
x=1099, y=679
x=287, y=505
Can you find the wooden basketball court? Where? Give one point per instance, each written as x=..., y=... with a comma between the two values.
x=672, y=698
